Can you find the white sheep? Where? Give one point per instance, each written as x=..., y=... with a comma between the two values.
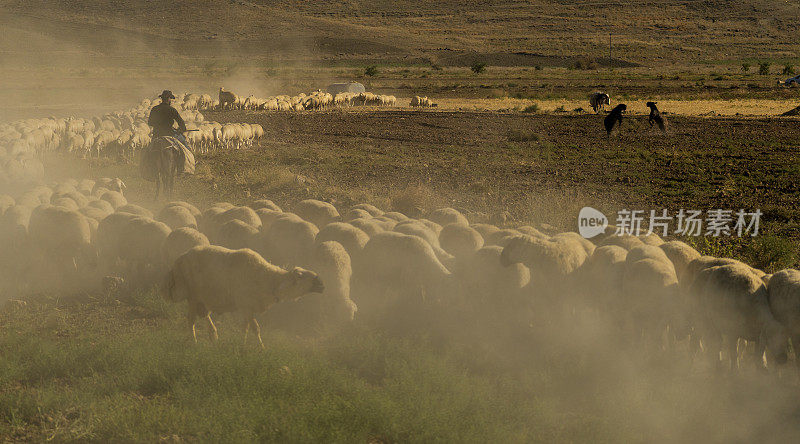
x=317, y=212
x=288, y=241
x=177, y=216
x=396, y=268
x=733, y=303
x=180, y=241
x=783, y=290
x=460, y=240
x=218, y=280
x=350, y=237
x=445, y=216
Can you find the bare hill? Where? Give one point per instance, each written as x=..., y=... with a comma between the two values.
x=414, y=31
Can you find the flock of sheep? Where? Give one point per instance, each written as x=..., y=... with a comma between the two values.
x=301, y=102
x=120, y=134
x=380, y=265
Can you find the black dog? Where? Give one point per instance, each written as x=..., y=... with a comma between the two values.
x=614, y=118
x=656, y=117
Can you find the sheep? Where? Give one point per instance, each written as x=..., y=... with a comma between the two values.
x=371, y=209
x=649, y=297
x=680, y=254
x=415, y=228
x=111, y=184
x=115, y=198
x=551, y=263
x=369, y=226
x=135, y=240
x=177, y=216
x=598, y=101
x=625, y=241
x=733, y=303
x=586, y=244
x=244, y=214
x=783, y=291
x=135, y=209
x=94, y=213
x=288, y=241
x=217, y=280
x=401, y=264
x=355, y=213
x=485, y=230
x=651, y=239
x=394, y=215
x=387, y=223
x=236, y=234
x=265, y=203
x=460, y=240
x=180, y=241
x=501, y=237
x=192, y=209
x=268, y=216
x=102, y=205
x=63, y=235
x=614, y=118
x=329, y=309
x=317, y=212
x=86, y=186
x=78, y=197
x=649, y=252
x=350, y=237
x=531, y=231
x=66, y=203
x=600, y=278
x=484, y=279
x=655, y=116
x=445, y=216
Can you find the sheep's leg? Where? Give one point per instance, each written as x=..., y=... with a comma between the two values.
x=258, y=333
x=193, y=323
x=213, y=331
x=733, y=352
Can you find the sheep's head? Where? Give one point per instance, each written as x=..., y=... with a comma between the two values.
x=301, y=281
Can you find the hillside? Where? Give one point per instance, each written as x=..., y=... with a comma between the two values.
x=644, y=32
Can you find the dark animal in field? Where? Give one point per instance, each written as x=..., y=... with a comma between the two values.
x=599, y=100
x=655, y=116
x=614, y=118
x=226, y=98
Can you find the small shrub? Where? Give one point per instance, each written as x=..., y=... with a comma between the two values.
x=371, y=71
x=584, y=63
x=478, y=67
x=522, y=136
x=788, y=70
x=538, y=67
x=745, y=67
x=436, y=67
x=532, y=108
x=763, y=68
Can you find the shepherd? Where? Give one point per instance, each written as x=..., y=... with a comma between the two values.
x=167, y=156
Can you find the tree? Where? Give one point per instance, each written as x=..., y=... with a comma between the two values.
x=478, y=67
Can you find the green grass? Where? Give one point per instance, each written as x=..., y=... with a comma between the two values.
x=129, y=372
